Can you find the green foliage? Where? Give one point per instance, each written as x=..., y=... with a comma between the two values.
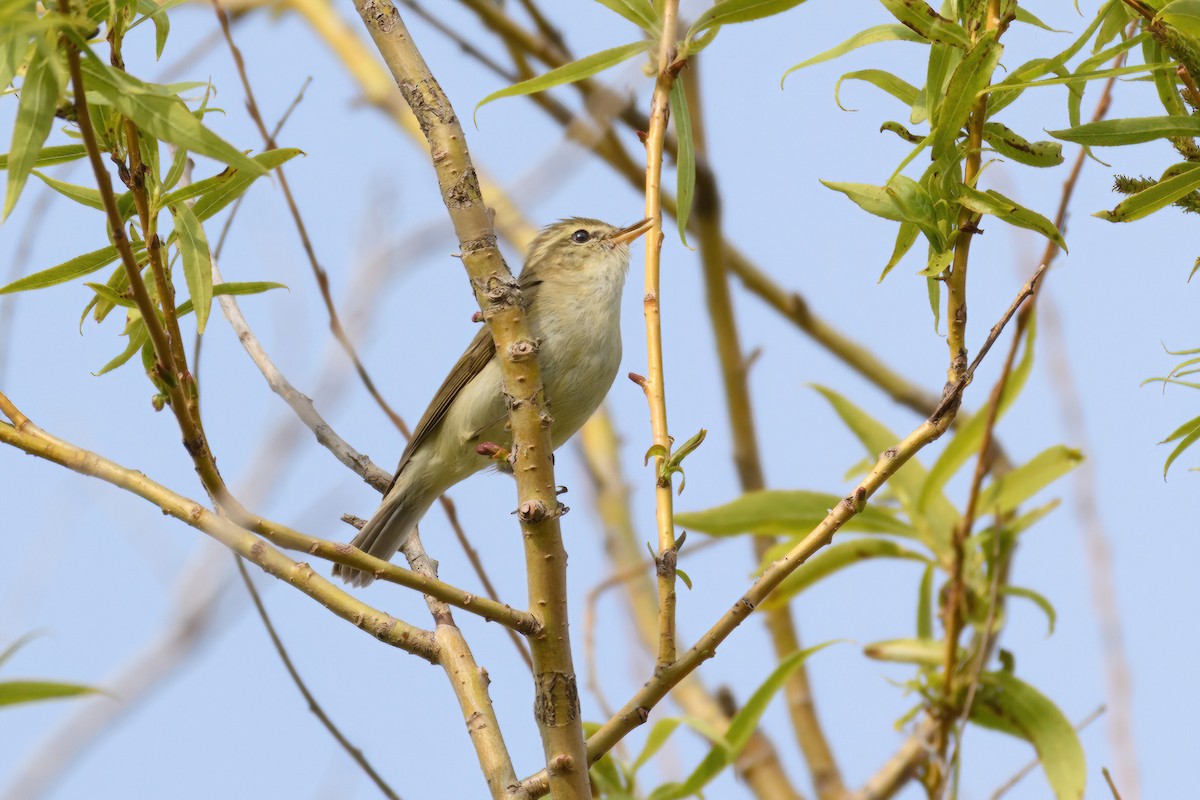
x=13, y=692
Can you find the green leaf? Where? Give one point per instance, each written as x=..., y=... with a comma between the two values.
x=639, y=12
x=1183, y=15
x=1037, y=599
x=230, y=185
x=925, y=604
x=1008, y=143
x=1013, y=488
x=835, y=558
x=905, y=237
x=1007, y=210
x=969, y=437
x=569, y=73
x=971, y=76
x=914, y=204
x=1131, y=130
x=12, y=692
x=926, y=652
x=776, y=511
x=741, y=727
x=56, y=154
x=931, y=25
x=872, y=199
x=233, y=288
x=162, y=115
x=1178, y=180
x=1029, y=19
x=1004, y=703
x=35, y=115
x=21, y=641
x=897, y=87
x=138, y=336
x=87, y=196
x=729, y=12
x=1190, y=433
x=77, y=267
x=197, y=261
x=880, y=33
x=685, y=161
x=110, y=295
x=662, y=730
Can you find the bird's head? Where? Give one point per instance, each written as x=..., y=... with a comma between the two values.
x=581, y=247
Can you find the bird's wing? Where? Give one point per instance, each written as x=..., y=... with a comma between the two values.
x=470, y=364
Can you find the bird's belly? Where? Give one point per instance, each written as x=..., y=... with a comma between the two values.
x=577, y=372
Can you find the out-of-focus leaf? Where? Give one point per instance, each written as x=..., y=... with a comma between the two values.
x=741, y=727
x=639, y=12
x=971, y=76
x=1008, y=210
x=164, y=116
x=1131, y=130
x=1004, y=703
x=77, y=267
x=197, y=261
x=932, y=26
x=1187, y=433
x=728, y=12
x=926, y=652
x=35, y=115
x=1013, y=488
x=1184, y=16
x=835, y=558
x=897, y=87
x=1007, y=142
x=21, y=641
x=662, y=731
x=685, y=161
x=12, y=692
x=55, y=154
x=969, y=436
x=569, y=73
x=1037, y=599
x=925, y=604
x=880, y=33
x=1178, y=181
x=776, y=511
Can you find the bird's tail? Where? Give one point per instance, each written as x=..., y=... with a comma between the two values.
x=386, y=531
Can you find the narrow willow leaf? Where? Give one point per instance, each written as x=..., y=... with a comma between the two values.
x=943, y=60
x=232, y=287
x=1004, y=703
x=916, y=206
x=1038, y=600
x=1008, y=142
x=162, y=24
x=231, y=186
x=897, y=87
x=906, y=236
x=778, y=511
x=21, y=641
x=932, y=26
x=1184, y=179
x=163, y=116
x=77, y=267
x=639, y=12
x=1183, y=15
x=569, y=73
x=926, y=652
x=741, y=727
x=872, y=199
x=138, y=337
x=1013, y=488
x=1079, y=78
x=970, y=77
x=1116, y=20
x=969, y=437
x=1132, y=130
x=662, y=731
x=835, y=558
x=197, y=261
x=118, y=281
x=87, y=196
x=925, y=604
x=12, y=692
x=729, y=12
x=1029, y=19
x=110, y=295
x=1007, y=210
x=175, y=172
x=35, y=115
x=1190, y=433
x=685, y=161
x=933, y=523
x=880, y=33
x=934, y=289
x=49, y=156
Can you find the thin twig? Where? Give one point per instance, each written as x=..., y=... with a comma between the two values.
x=313, y=705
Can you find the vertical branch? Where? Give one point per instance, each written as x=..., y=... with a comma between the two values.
x=654, y=383
x=826, y=777
x=556, y=705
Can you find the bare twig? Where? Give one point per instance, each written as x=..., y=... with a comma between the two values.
x=313, y=705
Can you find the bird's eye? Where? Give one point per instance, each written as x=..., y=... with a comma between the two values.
x=580, y=236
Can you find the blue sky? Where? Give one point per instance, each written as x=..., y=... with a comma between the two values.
x=103, y=574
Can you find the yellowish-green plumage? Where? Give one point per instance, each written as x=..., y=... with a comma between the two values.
x=572, y=281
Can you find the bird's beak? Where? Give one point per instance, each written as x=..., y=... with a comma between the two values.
x=626, y=235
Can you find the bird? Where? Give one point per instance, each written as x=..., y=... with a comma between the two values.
x=571, y=284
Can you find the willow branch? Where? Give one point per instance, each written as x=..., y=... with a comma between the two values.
x=26, y=436
x=758, y=763
x=557, y=699
x=313, y=705
x=637, y=710
x=822, y=766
